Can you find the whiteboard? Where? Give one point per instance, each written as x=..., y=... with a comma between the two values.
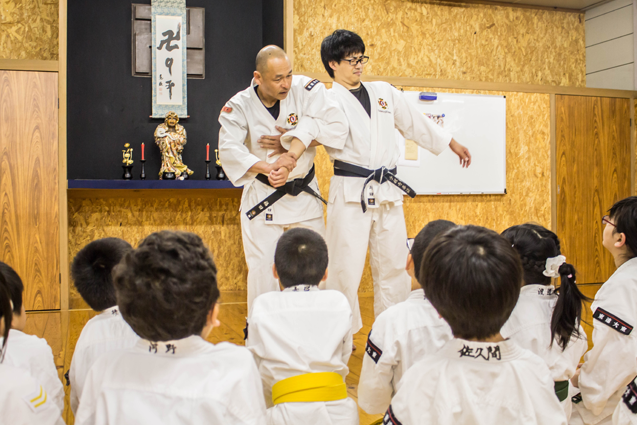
x=475, y=121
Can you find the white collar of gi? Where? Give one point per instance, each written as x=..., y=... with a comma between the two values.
x=541, y=290
x=632, y=261
x=302, y=288
x=111, y=311
x=417, y=294
x=178, y=347
x=491, y=352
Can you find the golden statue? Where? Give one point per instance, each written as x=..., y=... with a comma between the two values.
x=171, y=138
x=127, y=154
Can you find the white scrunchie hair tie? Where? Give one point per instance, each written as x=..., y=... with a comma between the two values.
x=553, y=266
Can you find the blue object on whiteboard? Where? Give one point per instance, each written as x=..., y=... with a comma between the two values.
x=427, y=96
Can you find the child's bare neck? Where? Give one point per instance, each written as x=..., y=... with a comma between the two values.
x=494, y=338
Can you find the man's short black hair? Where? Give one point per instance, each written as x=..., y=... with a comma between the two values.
x=167, y=286
x=300, y=257
x=472, y=276
x=14, y=286
x=338, y=45
x=624, y=214
x=92, y=271
x=424, y=238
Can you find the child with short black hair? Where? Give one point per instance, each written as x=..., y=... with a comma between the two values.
x=92, y=270
x=23, y=400
x=546, y=320
x=404, y=333
x=28, y=352
x=612, y=362
x=167, y=292
x=472, y=277
x=301, y=338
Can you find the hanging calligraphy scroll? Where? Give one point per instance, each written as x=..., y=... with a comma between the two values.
x=169, y=57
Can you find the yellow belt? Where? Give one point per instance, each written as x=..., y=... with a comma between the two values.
x=310, y=387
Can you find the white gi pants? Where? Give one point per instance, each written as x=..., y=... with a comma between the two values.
x=349, y=233
x=259, y=244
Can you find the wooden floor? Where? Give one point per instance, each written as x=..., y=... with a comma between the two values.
x=62, y=329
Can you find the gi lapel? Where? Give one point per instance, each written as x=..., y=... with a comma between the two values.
x=359, y=120
x=373, y=137
x=267, y=119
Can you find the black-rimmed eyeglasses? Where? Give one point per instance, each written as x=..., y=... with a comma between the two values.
x=356, y=61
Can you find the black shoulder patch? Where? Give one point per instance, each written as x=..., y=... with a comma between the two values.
x=372, y=350
x=630, y=397
x=309, y=86
x=390, y=418
x=613, y=321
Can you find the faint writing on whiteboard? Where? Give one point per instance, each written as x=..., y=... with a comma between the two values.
x=438, y=119
x=169, y=45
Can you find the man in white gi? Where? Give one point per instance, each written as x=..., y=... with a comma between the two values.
x=301, y=338
x=28, y=352
x=167, y=292
x=472, y=277
x=280, y=188
x=365, y=198
x=403, y=334
x=92, y=274
x=626, y=411
x=612, y=362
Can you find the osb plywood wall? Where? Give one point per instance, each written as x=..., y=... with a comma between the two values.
x=528, y=167
x=132, y=219
x=29, y=29
x=456, y=42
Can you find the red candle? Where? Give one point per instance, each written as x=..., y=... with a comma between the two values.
x=142, y=151
x=207, y=151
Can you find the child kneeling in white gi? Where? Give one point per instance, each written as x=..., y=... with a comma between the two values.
x=301, y=338
x=92, y=274
x=404, y=333
x=472, y=276
x=167, y=292
x=546, y=320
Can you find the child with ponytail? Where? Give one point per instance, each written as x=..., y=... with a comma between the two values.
x=546, y=320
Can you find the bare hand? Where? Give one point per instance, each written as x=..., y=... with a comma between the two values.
x=575, y=378
x=279, y=178
x=273, y=142
x=462, y=152
x=286, y=160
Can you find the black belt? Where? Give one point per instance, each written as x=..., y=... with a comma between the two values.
x=294, y=188
x=380, y=175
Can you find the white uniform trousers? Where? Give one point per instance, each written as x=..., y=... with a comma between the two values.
x=349, y=233
x=259, y=244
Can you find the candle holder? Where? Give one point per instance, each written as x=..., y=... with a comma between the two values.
x=208, y=170
x=143, y=174
x=128, y=175
x=220, y=174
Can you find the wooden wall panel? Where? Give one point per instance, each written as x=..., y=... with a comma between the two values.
x=29, y=29
x=448, y=41
x=215, y=220
x=29, y=227
x=593, y=172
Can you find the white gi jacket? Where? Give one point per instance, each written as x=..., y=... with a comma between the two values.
x=302, y=330
x=23, y=401
x=34, y=356
x=401, y=336
x=187, y=381
x=529, y=326
x=371, y=142
x=103, y=333
x=626, y=411
x=309, y=113
x=612, y=362
x=477, y=383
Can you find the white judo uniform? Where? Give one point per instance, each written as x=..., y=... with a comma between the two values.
x=529, y=326
x=309, y=114
x=612, y=362
x=23, y=401
x=187, y=381
x=297, y=331
x=102, y=334
x=477, y=383
x=626, y=411
x=401, y=336
x=34, y=356
x=371, y=143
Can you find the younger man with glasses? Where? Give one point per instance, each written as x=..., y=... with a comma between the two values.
x=404, y=333
x=612, y=362
x=365, y=200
